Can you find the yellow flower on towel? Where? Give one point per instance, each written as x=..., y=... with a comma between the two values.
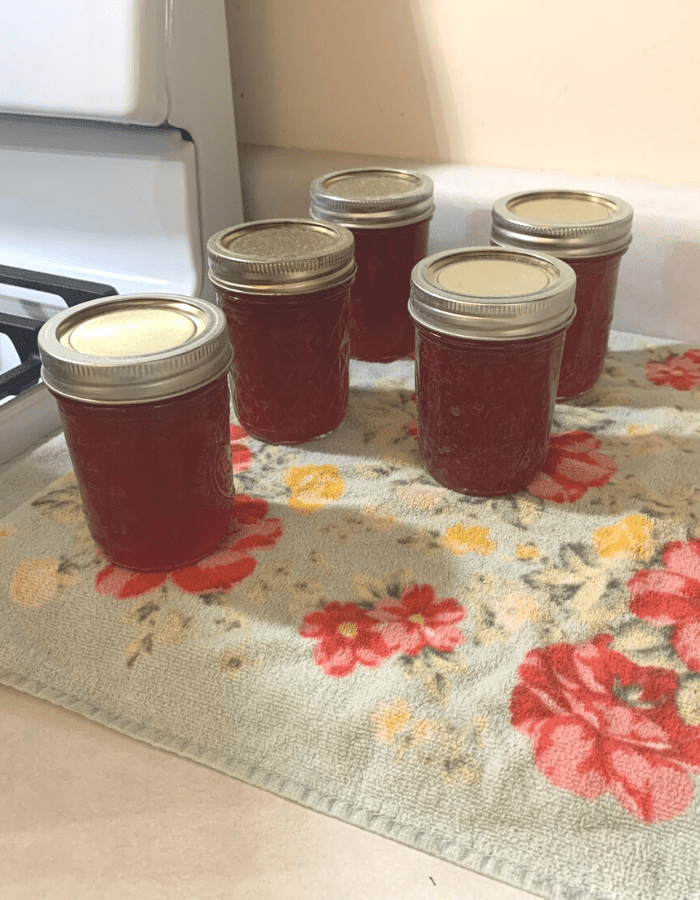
x=313, y=486
x=630, y=537
x=390, y=718
x=35, y=582
x=475, y=539
x=527, y=551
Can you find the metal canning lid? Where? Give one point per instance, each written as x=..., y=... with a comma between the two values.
x=373, y=197
x=569, y=224
x=134, y=348
x=281, y=256
x=492, y=294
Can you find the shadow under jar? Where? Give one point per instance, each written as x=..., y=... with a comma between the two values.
x=388, y=212
x=284, y=286
x=490, y=327
x=591, y=232
x=141, y=387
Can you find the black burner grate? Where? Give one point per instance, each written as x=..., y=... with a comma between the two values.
x=23, y=330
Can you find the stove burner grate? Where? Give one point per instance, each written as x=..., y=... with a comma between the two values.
x=23, y=330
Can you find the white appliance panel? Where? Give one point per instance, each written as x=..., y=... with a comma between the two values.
x=92, y=59
x=116, y=205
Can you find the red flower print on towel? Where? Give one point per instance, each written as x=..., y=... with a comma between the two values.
x=230, y=564
x=419, y=620
x=573, y=465
x=680, y=372
x=241, y=456
x=671, y=596
x=600, y=723
x=347, y=635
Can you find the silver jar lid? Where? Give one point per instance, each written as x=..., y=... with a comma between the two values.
x=492, y=294
x=373, y=197
x=281, y=256
x=568, y=224
x=134, y=348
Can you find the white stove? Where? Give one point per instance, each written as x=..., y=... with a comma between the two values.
x=119, y=159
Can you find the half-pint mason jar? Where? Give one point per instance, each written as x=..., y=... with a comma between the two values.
x=388, y=212
x=490, y=328
x=142, y=391
x=591, y=231
x=284, y=285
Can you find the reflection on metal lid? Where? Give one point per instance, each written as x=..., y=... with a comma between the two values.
x=131, y=332
x=492, y=277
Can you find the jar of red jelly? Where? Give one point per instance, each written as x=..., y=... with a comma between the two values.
x=388, y=212
x=591, y=232
x=141, y=386
x=284, y=285
x=490, y=328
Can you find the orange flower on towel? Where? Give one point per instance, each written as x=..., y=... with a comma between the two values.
x=573, y=465
x=230, y=564
x=599, y=723
x=680, y=372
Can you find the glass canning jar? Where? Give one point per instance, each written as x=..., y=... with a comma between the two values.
x=141, y=386
x=591, y=232
x=490, y=328
x=284, y=285
x=388, y=212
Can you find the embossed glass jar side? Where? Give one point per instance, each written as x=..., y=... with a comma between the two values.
x=142, y=391
x=389, y=213
x=284, y=286
x=490, y=329
x=485, y=409
x=587, y=340
x=290, y=370
x=591, y=232
x=155, y=478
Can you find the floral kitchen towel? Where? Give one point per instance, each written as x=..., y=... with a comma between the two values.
x=512, y=684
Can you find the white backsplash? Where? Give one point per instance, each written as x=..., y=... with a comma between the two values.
x=659, y=287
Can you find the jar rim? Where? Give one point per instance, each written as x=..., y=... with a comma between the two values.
x=192, y=358
x=565, y=223
x=449, y=298
x=285, y=255
x=379, y=197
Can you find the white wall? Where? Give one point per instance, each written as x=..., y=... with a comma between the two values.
x=601, y=86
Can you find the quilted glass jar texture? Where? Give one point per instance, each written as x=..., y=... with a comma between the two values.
x=141, y=387
x=591, y=232
x=490, y=326
x=389, y=212
x=284, y=286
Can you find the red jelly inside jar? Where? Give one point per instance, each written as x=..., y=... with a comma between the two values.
x=388, y=212
x=290, y=363
x=141, y=386
x=485, y=411
x=381, y=329
x=155, y=478
x=490, y=329
x=284, y=286
x=591, y=232
x=587, y=339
